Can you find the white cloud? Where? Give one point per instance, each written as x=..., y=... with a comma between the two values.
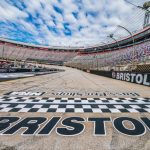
x=95, y=18
x=9, y=12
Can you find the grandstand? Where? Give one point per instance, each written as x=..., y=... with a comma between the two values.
x=128, y=53
x=105, y=57
x=11, y=50
x=126, y=57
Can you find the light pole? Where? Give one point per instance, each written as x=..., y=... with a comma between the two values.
x=145, y=7
x=127, y=31
x=112, y=37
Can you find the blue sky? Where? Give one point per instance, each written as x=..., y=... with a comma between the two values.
x=67, y=22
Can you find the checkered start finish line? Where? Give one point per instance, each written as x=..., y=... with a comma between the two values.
x=77, y=105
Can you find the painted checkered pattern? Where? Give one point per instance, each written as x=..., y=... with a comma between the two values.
x=77, y=105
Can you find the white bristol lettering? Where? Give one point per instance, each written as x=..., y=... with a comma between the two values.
x=128, y=77
x=132, y=77
x=145, y=82
x=139, y=78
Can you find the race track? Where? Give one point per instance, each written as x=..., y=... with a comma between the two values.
x=72, y=80
x=75, y=93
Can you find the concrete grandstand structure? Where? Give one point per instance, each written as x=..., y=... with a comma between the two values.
x=12, y=50
x=125, y=57
x=127, y=53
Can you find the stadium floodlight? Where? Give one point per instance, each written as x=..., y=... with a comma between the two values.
x=120, y=26
x=112, y=37
x=145, y=6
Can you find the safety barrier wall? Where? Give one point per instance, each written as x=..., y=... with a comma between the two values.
x=133, y=77
x=17, y=70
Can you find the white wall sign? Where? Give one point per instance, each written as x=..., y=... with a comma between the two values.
x=139, y=78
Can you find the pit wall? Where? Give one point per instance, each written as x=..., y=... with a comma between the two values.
x=25, y=70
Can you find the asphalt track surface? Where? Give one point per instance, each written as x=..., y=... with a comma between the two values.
x=116, y=103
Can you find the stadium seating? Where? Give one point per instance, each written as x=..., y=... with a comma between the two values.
x=114, y=59
x=11, y=52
